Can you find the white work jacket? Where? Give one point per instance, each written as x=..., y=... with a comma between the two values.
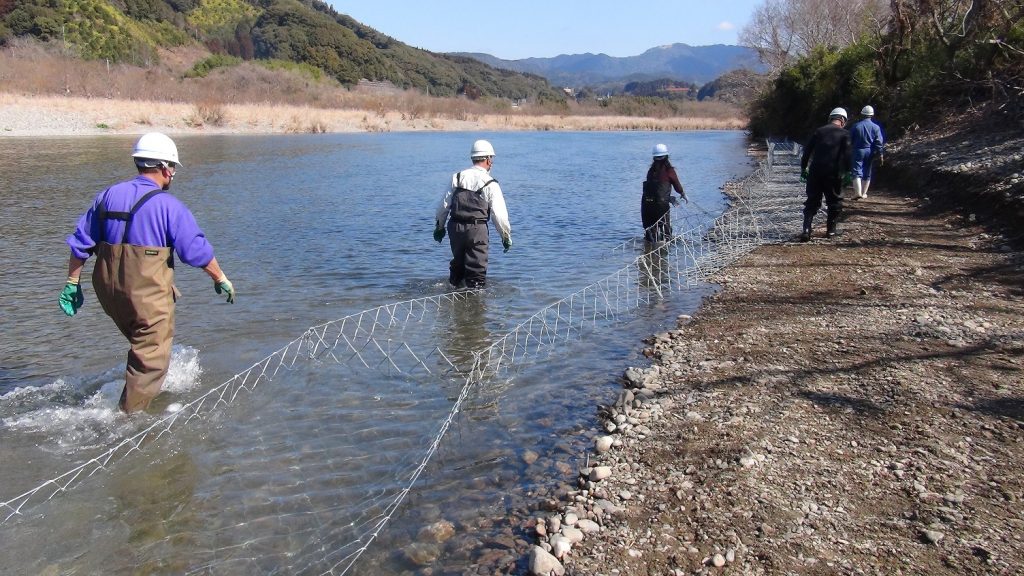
x=473, y=178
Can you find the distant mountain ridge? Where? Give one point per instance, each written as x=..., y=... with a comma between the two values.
x=696, y=64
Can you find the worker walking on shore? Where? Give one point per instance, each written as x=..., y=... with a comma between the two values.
x=825, y=166
x=657, y=200
x=868, y=144
x=134, y=228
x=472, y=199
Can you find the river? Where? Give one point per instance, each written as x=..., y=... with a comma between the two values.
x=297, y=476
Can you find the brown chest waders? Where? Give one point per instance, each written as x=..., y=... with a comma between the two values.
x=135, y=287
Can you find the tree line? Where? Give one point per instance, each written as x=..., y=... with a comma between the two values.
x=913, y=60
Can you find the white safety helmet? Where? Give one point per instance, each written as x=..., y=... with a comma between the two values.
x=838, y=113
x=481, y=149
x=659, y=150
x=156, y=146
x=867, y=111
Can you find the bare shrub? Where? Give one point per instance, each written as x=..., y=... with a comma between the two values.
x=206, y=114
x=211, y=113
x=294, y=125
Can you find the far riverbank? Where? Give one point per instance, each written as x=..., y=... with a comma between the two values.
x=24, y=115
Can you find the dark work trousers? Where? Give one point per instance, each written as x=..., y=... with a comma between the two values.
x=469, y=253
x=827, y=185
x=650, y=213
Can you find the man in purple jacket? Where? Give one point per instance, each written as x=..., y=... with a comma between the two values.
x=132, y=228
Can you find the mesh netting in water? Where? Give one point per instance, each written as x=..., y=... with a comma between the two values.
x=302, y=527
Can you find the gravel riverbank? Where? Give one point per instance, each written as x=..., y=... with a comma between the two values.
x=846, y=406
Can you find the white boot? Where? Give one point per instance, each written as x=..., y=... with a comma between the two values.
x=856, y=187
x=864, y=191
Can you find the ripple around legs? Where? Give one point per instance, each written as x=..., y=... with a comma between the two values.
x=265, y=521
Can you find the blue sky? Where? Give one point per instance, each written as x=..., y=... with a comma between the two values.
x=534, y=28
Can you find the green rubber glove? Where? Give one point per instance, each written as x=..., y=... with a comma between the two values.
x=225, y=286
x=847, y=179
x=438, y=234
x=507, y=243
x=803, y=175
x=71, y=298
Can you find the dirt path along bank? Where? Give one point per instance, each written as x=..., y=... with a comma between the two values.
x=846, y=406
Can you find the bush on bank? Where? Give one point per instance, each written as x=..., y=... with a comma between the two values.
x=933, y=58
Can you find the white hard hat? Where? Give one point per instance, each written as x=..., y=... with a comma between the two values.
x=867, y=111
x=156, y=146
x=840, y=112
x=659, y=150
x=481, y=149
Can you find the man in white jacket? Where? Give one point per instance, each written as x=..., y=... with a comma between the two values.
x=472, y=199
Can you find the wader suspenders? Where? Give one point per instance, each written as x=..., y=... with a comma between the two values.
x=458, y=186
x=102, y=215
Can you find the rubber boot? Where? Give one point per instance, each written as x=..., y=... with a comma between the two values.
x=856, y=187
x=805, y=235
x=864, y=191
x=830, y=226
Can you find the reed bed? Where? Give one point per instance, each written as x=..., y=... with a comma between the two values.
x=48, y=92
x=40, y=115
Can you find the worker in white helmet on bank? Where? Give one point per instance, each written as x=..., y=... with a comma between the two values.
x=657, y=198
x=825, y=166
x=134, y=228
x=471, y=201
x=868, y=145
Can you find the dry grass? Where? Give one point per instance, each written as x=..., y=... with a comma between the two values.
x=48, y=92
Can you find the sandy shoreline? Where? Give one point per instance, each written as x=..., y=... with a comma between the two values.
x=72, y=116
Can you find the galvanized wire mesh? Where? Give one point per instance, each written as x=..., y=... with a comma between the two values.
x=763, y=208
x=367, y=338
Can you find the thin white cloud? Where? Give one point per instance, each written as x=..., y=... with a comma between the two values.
x=726, y=26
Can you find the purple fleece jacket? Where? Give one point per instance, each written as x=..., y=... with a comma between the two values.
x=163, y=221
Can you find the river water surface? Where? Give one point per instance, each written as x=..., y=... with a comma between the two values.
x=296, y=476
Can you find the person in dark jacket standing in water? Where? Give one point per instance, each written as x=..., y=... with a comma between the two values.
x=132, y=229
x=657, y=197
x=825, y=167
x=472, y=199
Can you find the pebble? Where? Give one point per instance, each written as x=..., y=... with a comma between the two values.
x=718, y=561
x=600, y=473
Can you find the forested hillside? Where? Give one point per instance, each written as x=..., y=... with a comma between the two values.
x=308, y=32
x=916, y=61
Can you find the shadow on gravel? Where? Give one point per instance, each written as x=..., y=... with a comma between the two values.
x=1006, y=407
x=913, y=246
x=842, y=402
x=1010, y=275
